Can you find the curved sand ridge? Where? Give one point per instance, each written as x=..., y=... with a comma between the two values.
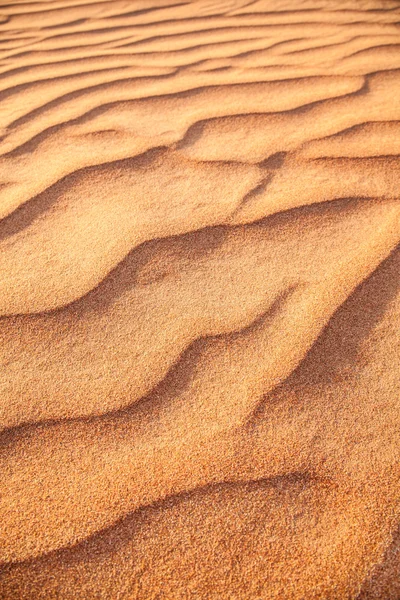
x=199, y=299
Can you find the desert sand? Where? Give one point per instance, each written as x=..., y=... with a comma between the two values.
x=200, y=300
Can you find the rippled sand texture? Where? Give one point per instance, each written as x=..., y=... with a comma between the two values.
x=200, y=300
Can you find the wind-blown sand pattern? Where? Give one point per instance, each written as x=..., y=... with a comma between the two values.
x=200, y=299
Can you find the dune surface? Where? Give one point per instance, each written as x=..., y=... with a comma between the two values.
x=199, y=299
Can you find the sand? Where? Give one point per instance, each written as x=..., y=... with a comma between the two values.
x=200, y=300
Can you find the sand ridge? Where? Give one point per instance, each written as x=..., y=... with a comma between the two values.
x=199, y=299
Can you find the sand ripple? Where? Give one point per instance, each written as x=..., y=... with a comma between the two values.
x=199, y=299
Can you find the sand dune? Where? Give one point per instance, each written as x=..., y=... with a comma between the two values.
x=199, y=299
x=119, y=341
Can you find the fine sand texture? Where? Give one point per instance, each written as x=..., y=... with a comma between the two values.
x=199, y=299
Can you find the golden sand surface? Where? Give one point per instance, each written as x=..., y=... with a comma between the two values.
x=199, y=299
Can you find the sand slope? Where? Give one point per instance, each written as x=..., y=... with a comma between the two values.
x=199, y=299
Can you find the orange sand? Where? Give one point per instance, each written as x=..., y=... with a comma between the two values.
x=200, y=299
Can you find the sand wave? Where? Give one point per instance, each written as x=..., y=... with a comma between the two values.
x=199, y=295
